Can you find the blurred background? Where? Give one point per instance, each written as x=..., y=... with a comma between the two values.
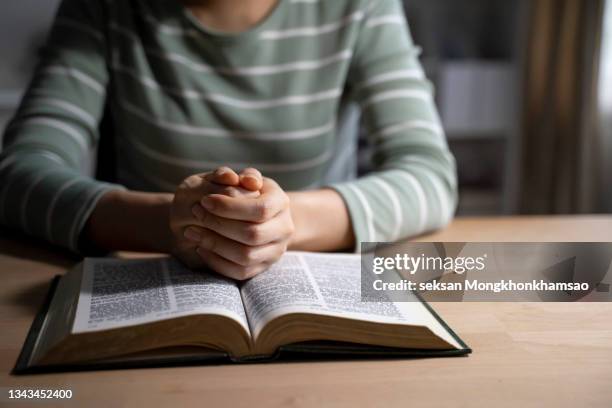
x=524, y=88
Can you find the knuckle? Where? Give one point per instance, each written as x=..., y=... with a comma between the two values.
x=247, y=255
x=209, y=221
x=290, y=229
x=254, y=234
x=264, y=209
x=218, y=204
x=190, y=182
x=187, y=188
x=251, y=194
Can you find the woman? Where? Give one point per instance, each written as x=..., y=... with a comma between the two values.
x=195, y=85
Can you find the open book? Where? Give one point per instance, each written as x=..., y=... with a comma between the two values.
x=113, y=310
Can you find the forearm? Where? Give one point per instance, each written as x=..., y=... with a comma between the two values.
x=131, y=221
x=322, y=221
x=134, y=221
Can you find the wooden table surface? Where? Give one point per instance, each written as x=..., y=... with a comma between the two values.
x=525, y=354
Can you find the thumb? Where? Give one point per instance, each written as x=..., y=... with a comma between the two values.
x=223, y=175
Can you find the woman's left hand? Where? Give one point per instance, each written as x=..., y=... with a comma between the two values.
x=257, y=230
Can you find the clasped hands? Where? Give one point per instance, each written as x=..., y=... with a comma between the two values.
x=235, y=224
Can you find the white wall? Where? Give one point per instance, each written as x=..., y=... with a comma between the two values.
x=23, y=27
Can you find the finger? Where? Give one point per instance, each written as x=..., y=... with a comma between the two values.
x=271, y=201
x=213, y=242
x=251, y=179
x=226, y=268
x=194, y=187
x=245, y=232
x=233, y=251
x=191, y=192
x=232, y=191
x=223, y=175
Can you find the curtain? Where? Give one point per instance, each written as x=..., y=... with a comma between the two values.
x=605, y=108
x=559, y=169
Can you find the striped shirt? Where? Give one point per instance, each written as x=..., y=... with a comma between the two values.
x=185, y=99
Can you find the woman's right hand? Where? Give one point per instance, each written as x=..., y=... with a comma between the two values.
x=185, y=211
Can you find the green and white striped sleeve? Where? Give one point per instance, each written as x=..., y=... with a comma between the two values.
x=414, y=186
x=43, y=191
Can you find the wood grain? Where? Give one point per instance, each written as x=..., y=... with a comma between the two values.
x=525, y=354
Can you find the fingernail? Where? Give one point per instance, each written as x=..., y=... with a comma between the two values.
x=221, y=171
x=250, y=179
x=206, y=203
x=193, y=234
x=198, y=212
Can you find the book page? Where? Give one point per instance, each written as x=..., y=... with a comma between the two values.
x=327, y=284
x=117, y=293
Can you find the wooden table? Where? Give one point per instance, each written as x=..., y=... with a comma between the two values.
x=525, y=354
